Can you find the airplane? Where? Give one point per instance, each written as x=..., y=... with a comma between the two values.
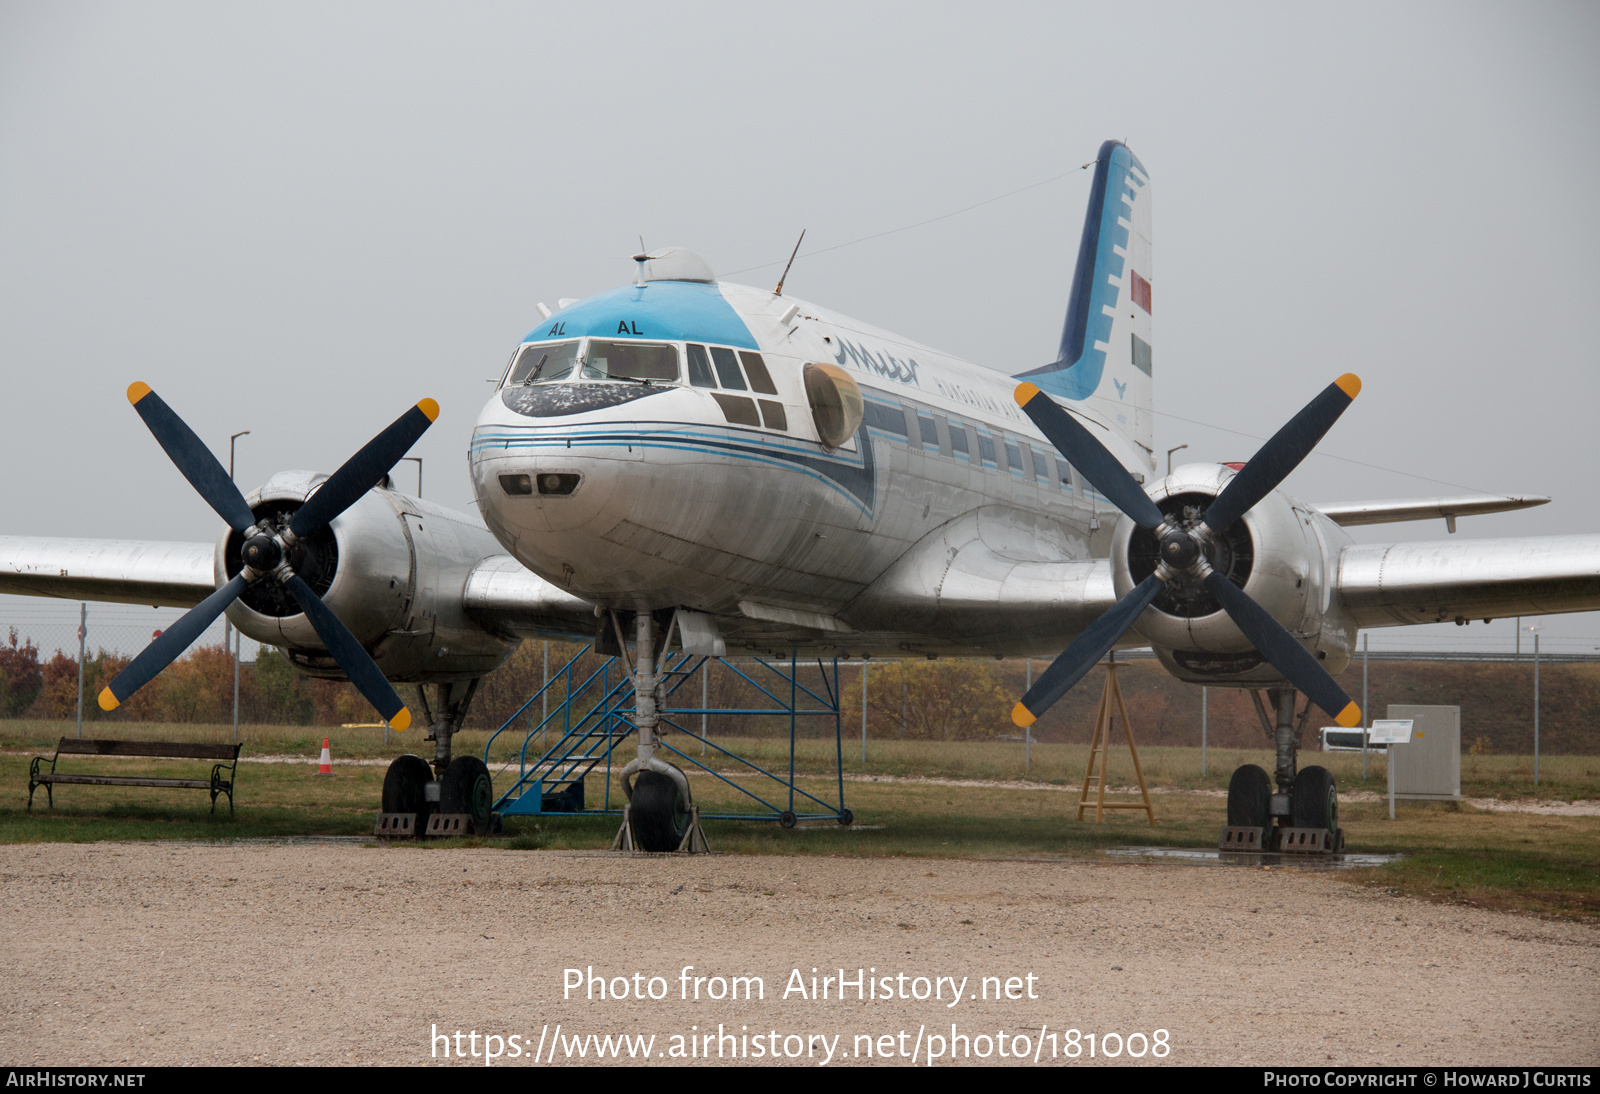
x=727, y=467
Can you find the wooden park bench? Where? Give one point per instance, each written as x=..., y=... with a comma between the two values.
x=227, y=755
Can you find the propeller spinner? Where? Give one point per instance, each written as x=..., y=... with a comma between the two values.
x=1182, y=551
x=267, y=548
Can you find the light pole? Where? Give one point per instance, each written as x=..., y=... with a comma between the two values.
x=1170, y=451
x=227, y=626
x=1027, y=732
x=418, y=461
x=1535, y=629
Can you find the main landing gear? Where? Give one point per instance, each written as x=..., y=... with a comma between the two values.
x=455, y=795
x=1302, y=817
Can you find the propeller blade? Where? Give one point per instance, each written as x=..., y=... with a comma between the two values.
x=1089, y=456
x=356, y=662
x=204, y=472
x=172, y=642
x=363, y=471
x=1278, y=646
x=1282, y=453
x=1085, y=652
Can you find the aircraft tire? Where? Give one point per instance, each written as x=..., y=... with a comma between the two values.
x=1250, y=798
x=467, y=788
x=405, y=788
x=1314, y=802
x=658, y=813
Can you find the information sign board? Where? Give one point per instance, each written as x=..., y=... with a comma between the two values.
x=1391, y=731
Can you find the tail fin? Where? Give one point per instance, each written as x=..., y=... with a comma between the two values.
x=1105, y=344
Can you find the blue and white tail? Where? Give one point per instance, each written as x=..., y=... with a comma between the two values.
x=1105, y=345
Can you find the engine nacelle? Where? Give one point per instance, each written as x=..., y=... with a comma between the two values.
x=1282, y=553
x=391, y=567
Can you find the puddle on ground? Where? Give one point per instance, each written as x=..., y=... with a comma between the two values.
x=1201, y=857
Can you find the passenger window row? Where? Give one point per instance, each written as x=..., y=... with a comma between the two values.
x=912, y=425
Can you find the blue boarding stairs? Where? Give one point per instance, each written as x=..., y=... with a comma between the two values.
x=590, y=715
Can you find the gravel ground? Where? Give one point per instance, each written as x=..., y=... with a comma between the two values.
x=142, y=954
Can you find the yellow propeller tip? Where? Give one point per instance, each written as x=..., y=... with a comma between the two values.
x=430, y=408
x=136, y=391
x=401, y=721
x=1350, y=716
x=1024, y=393
x=1350, y=384
x=107, y=700
x=1021, y=715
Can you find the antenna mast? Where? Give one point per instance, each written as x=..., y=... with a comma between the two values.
x=779, y=290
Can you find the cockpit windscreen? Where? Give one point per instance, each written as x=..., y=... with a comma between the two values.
x=543, y=364
x=630, y=361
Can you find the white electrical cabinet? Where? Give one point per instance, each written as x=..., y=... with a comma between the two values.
x=1427, y=767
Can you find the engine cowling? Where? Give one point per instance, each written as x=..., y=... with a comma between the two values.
x=391, y=567
x=1281, y=553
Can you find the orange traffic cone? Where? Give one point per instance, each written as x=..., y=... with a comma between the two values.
x=325, y=762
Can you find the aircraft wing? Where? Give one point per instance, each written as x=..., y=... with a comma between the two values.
x=167, y=575
x=1387, y=585
x=998, y=579
x=507, y=598
x=500, y=594
x=1349, y=513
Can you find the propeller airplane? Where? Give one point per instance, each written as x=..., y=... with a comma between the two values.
x=758, y=472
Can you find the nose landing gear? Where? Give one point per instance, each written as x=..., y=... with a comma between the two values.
x=660, y=814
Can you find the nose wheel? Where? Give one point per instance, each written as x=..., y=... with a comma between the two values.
x=660, y=815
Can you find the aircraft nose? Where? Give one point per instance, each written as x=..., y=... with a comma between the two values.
x=551, y=490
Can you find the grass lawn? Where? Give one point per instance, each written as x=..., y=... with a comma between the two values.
x=1514, y=861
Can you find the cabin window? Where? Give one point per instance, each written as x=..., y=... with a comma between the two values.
x=1014, y=460
x=1041, y=465
x=630, y=361
x=958, y=438
x=727, y=368
x=543, y=364
x=929, y=431
x=700, y=367
x=756, y=369
x=986, y=450
x=888, y=419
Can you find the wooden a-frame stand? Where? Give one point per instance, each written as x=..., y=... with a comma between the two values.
x=1101, y=745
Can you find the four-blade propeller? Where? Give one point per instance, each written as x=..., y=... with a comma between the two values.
x=1182, y=551
x=266, y=547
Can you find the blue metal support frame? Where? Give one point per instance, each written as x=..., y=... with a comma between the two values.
x=590, y=733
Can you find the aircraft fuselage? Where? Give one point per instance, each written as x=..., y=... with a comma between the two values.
x=707, y=497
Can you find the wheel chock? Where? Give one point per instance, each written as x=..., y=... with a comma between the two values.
x=449, y=825
x=1307, y=841
x=396, y=826
x=1235, y=838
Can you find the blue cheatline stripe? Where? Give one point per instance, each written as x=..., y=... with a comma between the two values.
x=1076, y=372
x=855, y=481
x=666, y=311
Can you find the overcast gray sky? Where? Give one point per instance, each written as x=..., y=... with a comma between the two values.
x=298, y=219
